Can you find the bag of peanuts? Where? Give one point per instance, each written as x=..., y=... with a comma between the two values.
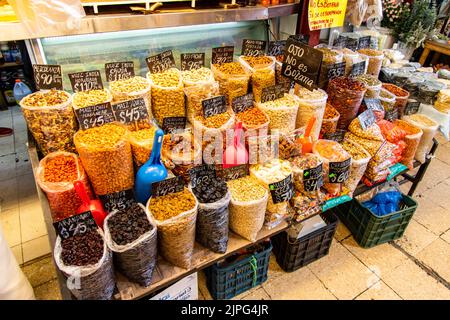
x=360, y=160
x=330, y=120
x=175, y=215
x=197, y=77
x=282, y=112
x=55, y=176
x=141, y=144
x=233, y=79
x=87, y=263
x=262, y=70
x=105, y=153
x=196, y=94
x=131, y=235
x=412, y=140
x=51, y=120
x=247, y=206
x=254, y=121
x=167, y=94
x=83, y=99
x=429, y=128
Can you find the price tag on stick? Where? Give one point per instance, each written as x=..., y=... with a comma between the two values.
x=273, y=92
x=412, y=107
x=339, y=172
x=47, y=76
x=337, y=136
x=366, y=119
x=130, y=111
x=242, y=103
x=173, y=124
x=373, y=104
x=253, y=48
x=171, y=185
x=95, y=116
x=213, y=106
x=283, y=190
x=233, y=173
x=191, y=61
x=336, y=70
x=276, y=48
x=358, y=69
x=222, y=54
x=75, y=225
x=119, y=70
x=313, y=178
x=202, y=174
x=161, y=62
x=118, y=201
x=340, y=42
x=85, y=81
x=352, y=44
x=302, y=63
x=364, y=42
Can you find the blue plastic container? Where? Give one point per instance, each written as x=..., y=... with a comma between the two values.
x=20, y=90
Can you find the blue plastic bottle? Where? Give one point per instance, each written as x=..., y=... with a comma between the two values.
x=20, y=90
x=151, y=171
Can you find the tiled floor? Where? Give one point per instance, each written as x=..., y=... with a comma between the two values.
x=414, y=267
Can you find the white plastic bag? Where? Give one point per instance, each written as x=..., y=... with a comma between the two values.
x=429, y=128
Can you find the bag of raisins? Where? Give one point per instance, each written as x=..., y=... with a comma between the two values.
x=86, y=262
x=131, y=236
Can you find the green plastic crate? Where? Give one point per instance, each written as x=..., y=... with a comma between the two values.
x=370, y=230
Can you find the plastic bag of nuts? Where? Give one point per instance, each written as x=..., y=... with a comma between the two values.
x=375, y=60
x=373, y=85
x=330, y=119
x=105, y=153
x=360, y=160
x=282, y=112
x=330, y=57
x=50, y=118
x=429, y=128
x=233, y=79
x=55, y=176
x=311, y=104
x=196, y=94
x=412, y=140
x=263, y=148
x=247, y=206
x=132, y=88
x=401, y=97
x=197, y=77
x=131, y=235
x=167, y=94
x=141, y=144
x=83, y=99
x=175, y=215
x=254, y=121
x=87, y=261
x=262, y=70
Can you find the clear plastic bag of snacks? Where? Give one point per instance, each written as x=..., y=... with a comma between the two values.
x=282, y=112
x=55, y=176
x=254, y=121
x=401, y=97
x=132, y=88
x=167, y=94
x=373, y=85
x=50, y=118
x=331, y=152
x=197, y=77
x=304, y=162
x=311, y=104
x=375, y=60
x=360, y=160
x=83, y=99
x=290, y=144
x=233, y=79
x=345, y=95
x=330, y=120
x=330, y=57
x=263, y=148
x=141, y=144
x=269, y=174
x=176, y=226
x=412, y=140
x=262, y=70
x=429, y=128
x=105, y=153
x=196, y=94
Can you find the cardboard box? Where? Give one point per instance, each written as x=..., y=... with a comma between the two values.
x=185, y=289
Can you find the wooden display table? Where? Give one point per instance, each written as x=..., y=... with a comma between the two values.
x=437, y=46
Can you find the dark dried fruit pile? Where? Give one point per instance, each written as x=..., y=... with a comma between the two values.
x=210, y=191
x=128, y=225
x=82, y=250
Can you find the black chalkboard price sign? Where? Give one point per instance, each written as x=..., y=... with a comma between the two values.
x=213, y=106
x=191, y=61
x=352, y=43
x=337, y=136
x=253, y=48
x=302, y=63
x=242, y=103
x=222, y=54
x=119, y=70
x=364, y=42
x=412, y=107
x=313, y=178
x=283, y=190
x=340, y=42
x=373, y=104
x=304, y=38
x=161, y=62
x=85, y=81
x=336, y=70
x=118, y=201
x=391, y=115
x=367, y=119
x=173, y=124
x=358, y=69
x=130, y=111
x=273, y=92
x=47, y=76
x=95, y=116
x=339, y=172
x=171, y=185
x=234, y=172
x=202, y=174
x=276, y=48
x=75, y=225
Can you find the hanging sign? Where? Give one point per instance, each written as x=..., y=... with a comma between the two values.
x=324, y=14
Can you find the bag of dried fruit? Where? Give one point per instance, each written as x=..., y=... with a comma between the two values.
x=197, y=77
x=247, y=206
x=330, y=119
x=262, y=70
x=311, y=104
x=131, y=235
x=233, y=79
x=212, y=217
x=87, y=263
x=360, y=160
x=196, y=94
x=105, y=153
x=175, y=215
x=375, y=60
x=50, y=118
x=167, y=94
x=336, y=164
x=282, y=112
x=55, y=176
x=141, y=144
x=275, y=176
x=412, y=140
x=429, y=128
